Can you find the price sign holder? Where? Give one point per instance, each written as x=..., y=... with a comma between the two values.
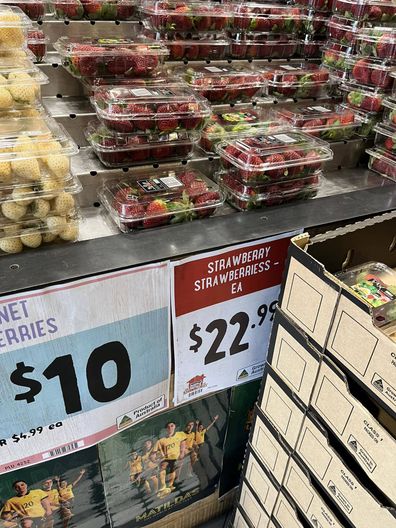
x=223, y=304
x=80, y=362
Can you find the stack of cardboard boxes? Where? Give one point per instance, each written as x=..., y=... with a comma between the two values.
x=322, y=451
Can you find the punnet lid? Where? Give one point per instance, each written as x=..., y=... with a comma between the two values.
x=104, y=140
x=242, y=120
x=384, y=34
x=385, y=155
x=166, y=193
x=386, y=130
x=390, y=103
x=33, y=137
x=20, y=71
x=188, y=8
x=137, y=101
x=204, y=75
x=94, y=47
x=13, y=17
x=319, y=116
x=273, y=151
x=295, y=74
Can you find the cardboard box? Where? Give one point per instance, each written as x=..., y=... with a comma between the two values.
x=285, y=513
x=307, y=497
x=268, y=446
x=260, y=482
x=239, y=520
x=366, y=439
x=338, y=321
x=354, y=497
x=281, y=406
x=253, y=511
x=293, y=358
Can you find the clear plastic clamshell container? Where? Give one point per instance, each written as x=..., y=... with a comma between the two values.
x=16, y=237
x=246, y=197
x=263, y=46
x=122, y=150
x=383, y=162
x=238, y=122
x=386, y=137
x=14, y=25
x=190, y=47
x=390, y=111
x=342, y=30
x=20, y=83
x=331, y=122
x=379, y=11
x=34, y=154
x=310, y=49
x=34, y=9
x=298, y=81
x=225, y=84
x=161, y=108
x=370, y=72
x=367, y=121
x=321, y=6
x=336, y=58
x=265, y=17
x=160, y=198
x=37, y=44
x=374, y=282
x=363, y=97
x=379, y=42
x=274, y=157
x=111, y=57
x=95, y=9
x=190, y=15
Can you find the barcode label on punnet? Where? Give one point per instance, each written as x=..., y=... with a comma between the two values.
x=64, y=449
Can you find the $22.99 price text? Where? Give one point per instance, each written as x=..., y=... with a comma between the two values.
x=241, y=320
x=63, y=368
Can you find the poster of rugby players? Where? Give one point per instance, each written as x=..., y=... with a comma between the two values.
x=64, y=493
x=164, y=463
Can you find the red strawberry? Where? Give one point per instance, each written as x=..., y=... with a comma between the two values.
x=385, y=49
x=381, y=78
x=137, y=110
x=311, y=125
x=156, y=214
x=176, y=50
x=196, y=188
x=167, y=122
x=161, y=152
x=127, y=204
x=193, y=119
x=390, y=143
x=71, y=9
x=203, y=203
x=125, y=10
x=37, y=44
x=181, y=19
x=347, y=118
x=310, y=159
x=371, y=103
x=251, y=161
x=137, y=152
x=187, y=177
x=273, y=160
x=295, y=157
x=374, y=13
x=289, y=85
x=361, y=71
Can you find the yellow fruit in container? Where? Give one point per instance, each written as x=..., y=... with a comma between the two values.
x=6, y=100
x=19, y=195
x=40, y=208
x=31, y=238
x=70, y=233
x=48, y=237
x=26, y=169
x=22, y=88
x=5, y=172
x=11, y=245
x=56, y=224
x=63, y=203
x=58, y=165
x=13, y=211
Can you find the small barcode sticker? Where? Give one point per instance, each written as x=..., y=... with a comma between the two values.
x=288, y=67
x=171, y=181
x=284, y=138
x=140, y=92
x=213, y=69
x=321, y=109
x=63, y=450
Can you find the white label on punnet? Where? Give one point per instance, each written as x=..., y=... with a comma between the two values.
x=284, y=138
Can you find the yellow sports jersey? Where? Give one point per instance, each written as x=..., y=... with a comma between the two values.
x=190, y=439
x=53, y=496
x=200, y=437
x=28, y=505
x=170, y=445
x=66, y=493
x=135, y=466
x=146, y=456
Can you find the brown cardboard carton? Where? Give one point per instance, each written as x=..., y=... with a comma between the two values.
x=358, y=500
x=254, y=512
x=339, y=322
x=293, y=358
x=285, y=513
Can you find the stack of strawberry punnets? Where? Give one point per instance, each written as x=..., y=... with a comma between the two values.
x=36, y=188
x=265, y=30
x=157, y=122
x=272, y=168
x=192, y=30
x=314, y=28
x=168, y=197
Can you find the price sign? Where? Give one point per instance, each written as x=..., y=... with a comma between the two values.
x=223, y=306
x=80, y=361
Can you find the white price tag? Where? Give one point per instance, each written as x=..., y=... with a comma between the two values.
x=284, y=138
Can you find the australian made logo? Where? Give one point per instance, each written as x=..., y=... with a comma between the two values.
x=195, y=385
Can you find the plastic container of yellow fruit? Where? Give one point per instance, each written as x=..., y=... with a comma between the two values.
x=20, y=83
x=14, y=25
x=16, y=237
x=35, y=155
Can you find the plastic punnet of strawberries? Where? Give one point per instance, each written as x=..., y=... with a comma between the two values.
x=379, y=42
x=274, y=157
x=371, y=72
x=263, y=46
x=363, y=97
x=379, y=11
x=95, y=9
x=383, y=162
x=196, y=47
x=186, y=16
x=150, y=109
x=118, y=57
x=299, y=81
x=266, y=17
x=167, y=197
x=37, y=43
